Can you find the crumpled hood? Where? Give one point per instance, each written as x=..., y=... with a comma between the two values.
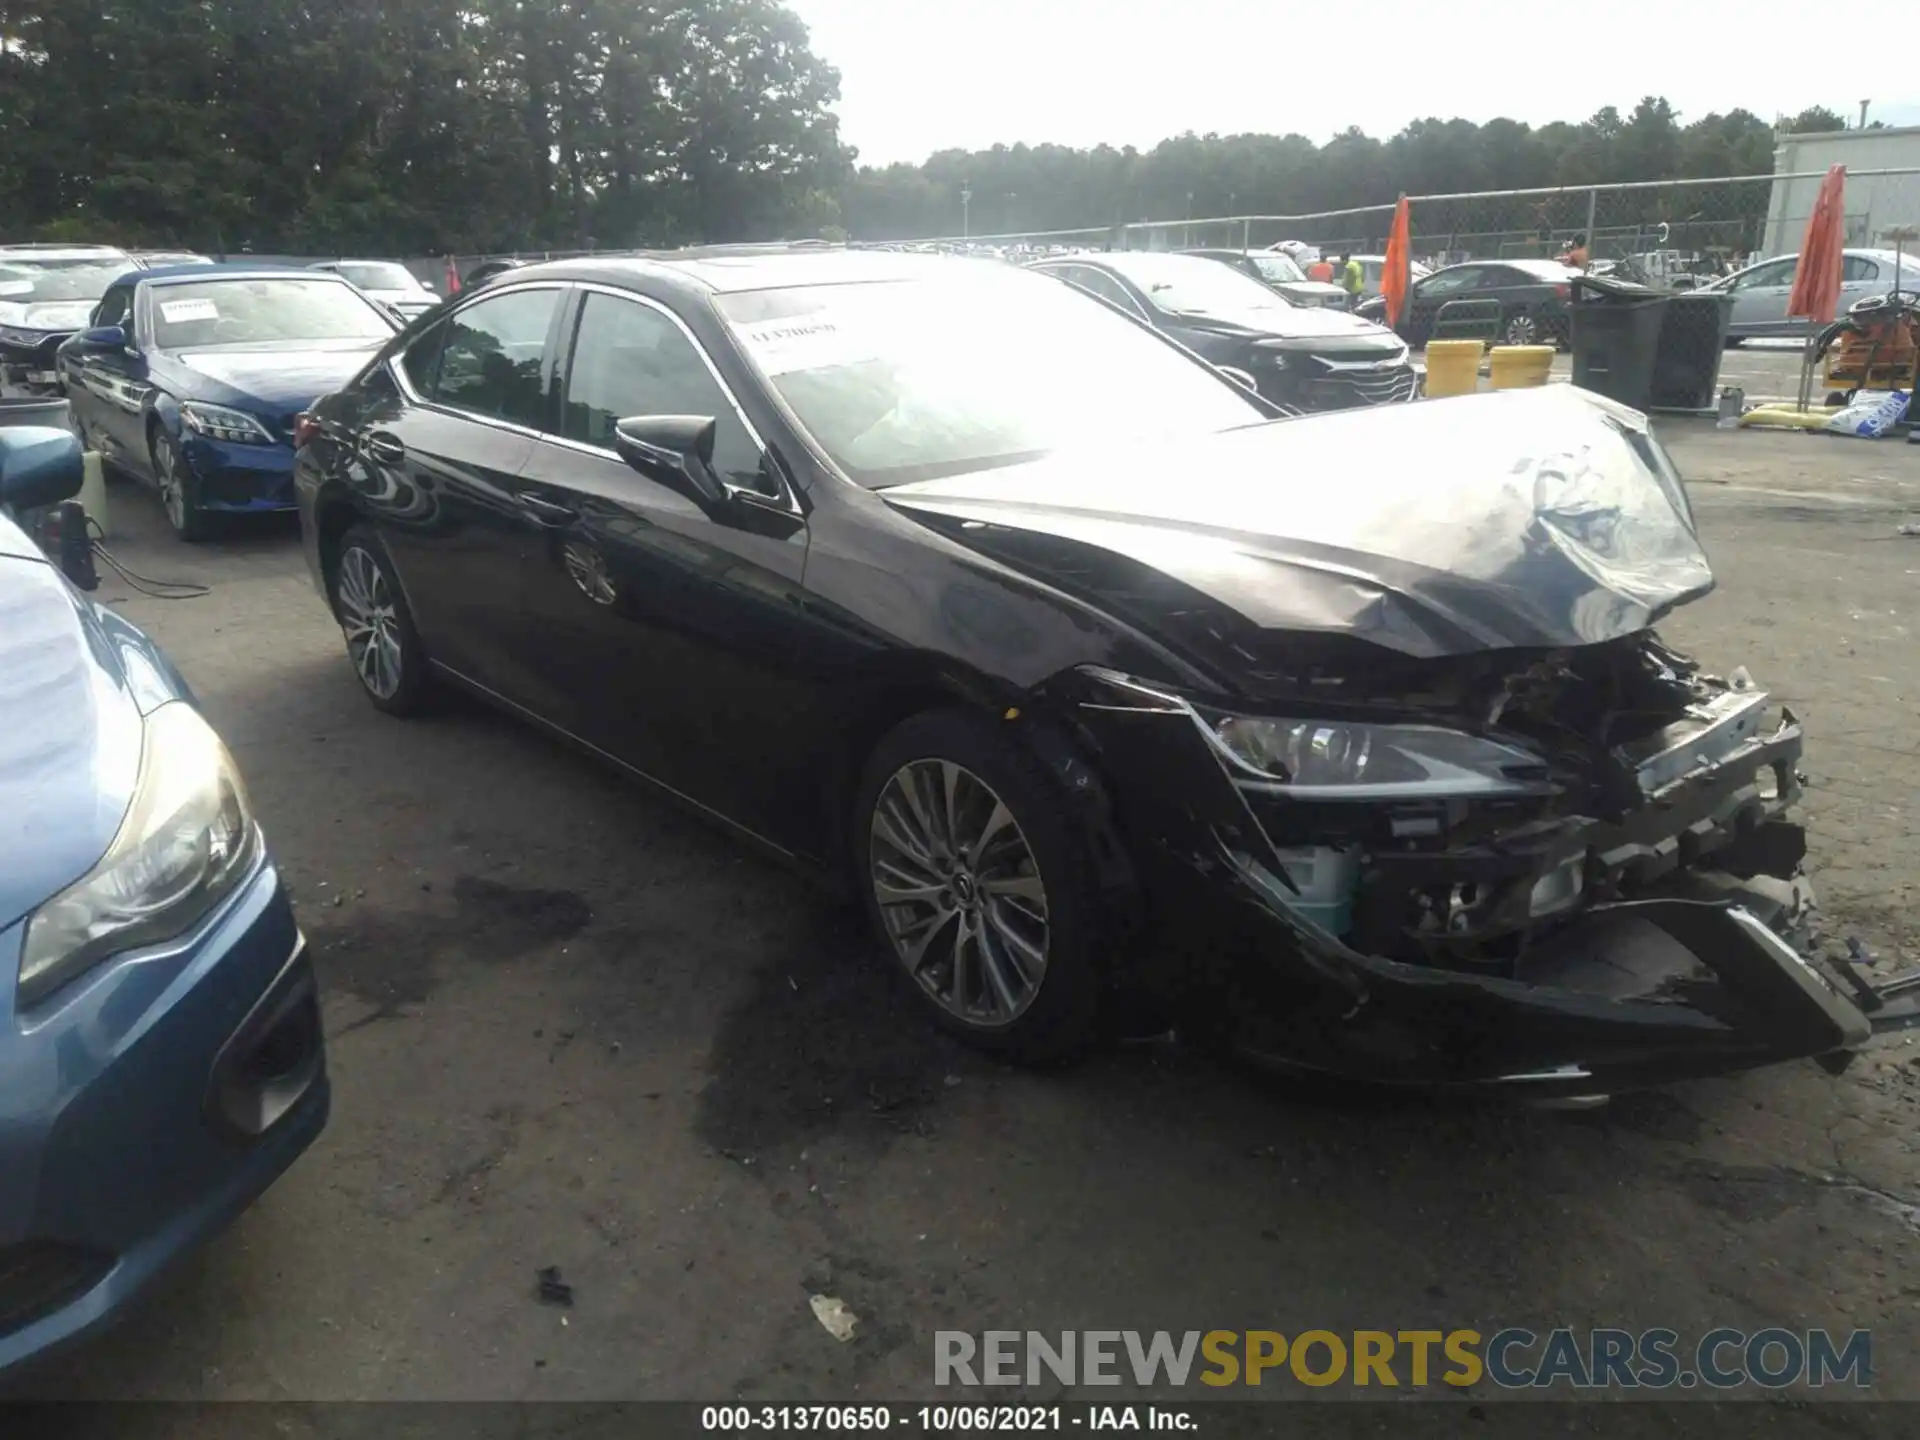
x=281, y=379
x=1519, y=519
x=69, y=732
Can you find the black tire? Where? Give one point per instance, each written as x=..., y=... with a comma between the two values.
x=1062, y=1019
x=179, y=492
x=414, y=691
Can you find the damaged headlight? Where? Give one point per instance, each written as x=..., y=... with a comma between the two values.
x=1335, y=760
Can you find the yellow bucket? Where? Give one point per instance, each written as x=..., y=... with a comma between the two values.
x=1453, y=367
x=1521, y=367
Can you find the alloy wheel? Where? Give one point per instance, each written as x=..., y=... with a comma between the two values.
x=173, y=494
x=587, y=568
x=368, y=621
x=1521, y=330
x=959, y=892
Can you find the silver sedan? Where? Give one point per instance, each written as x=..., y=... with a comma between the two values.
x=1760, y=291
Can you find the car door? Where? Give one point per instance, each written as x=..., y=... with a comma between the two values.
x=671, y=632
x=1459, y=282
x=1861, y=276
x=1760, y=299
x=443, y=431
x=106, y=385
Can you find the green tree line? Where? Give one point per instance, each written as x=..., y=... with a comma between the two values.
x=436, y=126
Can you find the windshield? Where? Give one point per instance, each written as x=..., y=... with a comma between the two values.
x=1278, y=268
x=915, y=379
x=379, y=275
x=249, y=312
x=32, y=282
x=1187, y=285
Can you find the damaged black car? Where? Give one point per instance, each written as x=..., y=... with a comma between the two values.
x=1347, y=739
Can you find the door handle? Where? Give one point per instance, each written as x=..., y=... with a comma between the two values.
x=547, y=512
x=385, y=449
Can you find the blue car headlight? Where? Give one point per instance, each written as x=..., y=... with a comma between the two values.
x=220, y=422
x=186, y=840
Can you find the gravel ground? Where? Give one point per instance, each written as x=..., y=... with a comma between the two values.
x=572, y=1028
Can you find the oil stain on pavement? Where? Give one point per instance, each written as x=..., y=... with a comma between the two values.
x=391, y=959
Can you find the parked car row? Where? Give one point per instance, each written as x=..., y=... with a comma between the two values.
x=1107, y=687
x=50, y=292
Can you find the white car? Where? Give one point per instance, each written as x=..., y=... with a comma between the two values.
x=393, y=285
x=1372, y=267
x=1760, y=291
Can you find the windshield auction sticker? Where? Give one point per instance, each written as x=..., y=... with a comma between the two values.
x=176, y=312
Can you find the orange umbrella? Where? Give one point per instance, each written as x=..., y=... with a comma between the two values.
x=1396, y=275
x=1816, y=279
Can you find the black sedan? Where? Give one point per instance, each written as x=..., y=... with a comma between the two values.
x=1529, y=300
x=1300, y=357
x=1347, y=736
x=192, y=377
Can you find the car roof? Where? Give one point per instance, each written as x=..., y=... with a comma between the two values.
x=222, y=272
x=1544, y=269
x=725, y=270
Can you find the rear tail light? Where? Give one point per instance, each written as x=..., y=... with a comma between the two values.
x=305, y=427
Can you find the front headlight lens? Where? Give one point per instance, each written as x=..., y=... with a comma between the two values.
x=217, y=422
x=1320, y=759
x=186, y=840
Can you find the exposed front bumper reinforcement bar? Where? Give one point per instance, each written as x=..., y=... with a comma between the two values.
x=1626, y=994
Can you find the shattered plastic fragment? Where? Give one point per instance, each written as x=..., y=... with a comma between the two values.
x=832, y=1312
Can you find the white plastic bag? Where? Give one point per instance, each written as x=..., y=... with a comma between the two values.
x=1871, y=414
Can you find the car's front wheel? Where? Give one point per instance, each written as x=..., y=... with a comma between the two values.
x=179, y=495
x=975, y=880
x=378, y=627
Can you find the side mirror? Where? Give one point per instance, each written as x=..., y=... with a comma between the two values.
x=676, y=450
x=1239, y=377
x=39, y=466
x=104, y=337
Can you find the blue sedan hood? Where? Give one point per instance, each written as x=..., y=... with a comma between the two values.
x=278, y=382
x=74, y=683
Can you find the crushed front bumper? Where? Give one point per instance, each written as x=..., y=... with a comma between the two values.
x=1696, y=979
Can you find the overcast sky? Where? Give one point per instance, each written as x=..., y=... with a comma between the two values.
x=925, y=75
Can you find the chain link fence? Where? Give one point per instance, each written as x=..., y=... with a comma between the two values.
x=1674, y=232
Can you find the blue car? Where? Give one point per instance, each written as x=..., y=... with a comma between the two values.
x=161, y=1059
x=192, y=378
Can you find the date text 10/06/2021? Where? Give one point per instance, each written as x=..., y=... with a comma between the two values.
x=945, y=1419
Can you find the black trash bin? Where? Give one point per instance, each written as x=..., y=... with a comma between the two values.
x=1693, y=337
x=1616, y=337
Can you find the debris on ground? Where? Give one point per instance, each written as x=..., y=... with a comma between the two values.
x=832, y=1312
x=1912, y=527
x=552, y=1289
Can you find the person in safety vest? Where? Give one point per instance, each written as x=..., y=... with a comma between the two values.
x=1321, y=269
x=1350, y=277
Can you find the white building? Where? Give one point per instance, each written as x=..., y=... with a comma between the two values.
x=1875, y=203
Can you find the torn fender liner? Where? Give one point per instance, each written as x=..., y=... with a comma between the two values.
x=1631, y=993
